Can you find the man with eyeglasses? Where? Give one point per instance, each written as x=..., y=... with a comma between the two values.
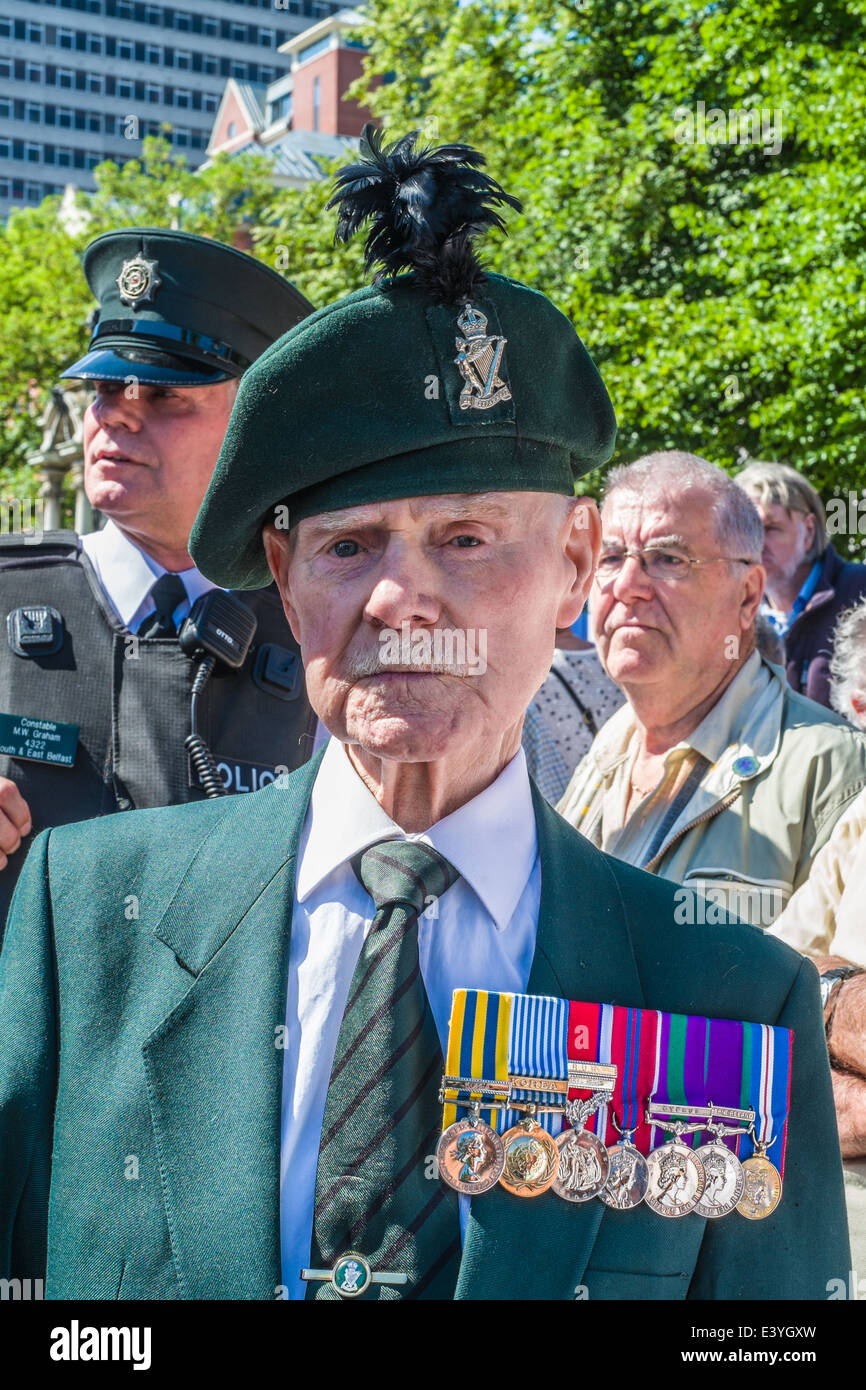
x=714, y=773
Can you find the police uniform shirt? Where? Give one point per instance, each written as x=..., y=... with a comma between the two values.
x=482, y=938
x=127, y=574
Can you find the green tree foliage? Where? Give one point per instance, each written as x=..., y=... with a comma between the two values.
x=719, y=286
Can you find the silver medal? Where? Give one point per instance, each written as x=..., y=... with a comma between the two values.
x=584, y=1163
x=628, y=1179
x=725, y=1179
x=676, y=1180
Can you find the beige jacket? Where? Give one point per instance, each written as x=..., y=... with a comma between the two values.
x=782, y=771
x=827, y=916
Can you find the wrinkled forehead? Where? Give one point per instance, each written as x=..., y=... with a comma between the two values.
x=686, y=517
x=507, y=509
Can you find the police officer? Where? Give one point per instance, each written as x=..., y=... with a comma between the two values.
x=95, y=686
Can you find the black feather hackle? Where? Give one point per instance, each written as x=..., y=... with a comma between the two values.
x=427, y=205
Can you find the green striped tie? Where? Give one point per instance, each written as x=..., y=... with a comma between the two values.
x=375, y=1191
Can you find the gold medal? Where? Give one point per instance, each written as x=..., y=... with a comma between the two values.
x=470, y=1155
x=763, y=1187
x=531, y=1159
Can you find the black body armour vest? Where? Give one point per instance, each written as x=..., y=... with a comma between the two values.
x=128, y=698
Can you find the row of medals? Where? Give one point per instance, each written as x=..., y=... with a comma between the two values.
x=673, y=1180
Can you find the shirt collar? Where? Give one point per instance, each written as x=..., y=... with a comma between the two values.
x=716, y=731
x=491, y=840
x=723, y=724
x=127, y=572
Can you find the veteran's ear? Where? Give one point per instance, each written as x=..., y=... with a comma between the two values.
x=278, y=551
x=581, y=542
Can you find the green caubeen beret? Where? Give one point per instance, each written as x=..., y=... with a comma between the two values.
x=438, y=378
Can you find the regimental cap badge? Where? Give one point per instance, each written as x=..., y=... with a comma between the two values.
x=479, y=358
x=138, y=281
x=426, y=206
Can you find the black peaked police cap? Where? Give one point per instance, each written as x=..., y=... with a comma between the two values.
x=180, y=310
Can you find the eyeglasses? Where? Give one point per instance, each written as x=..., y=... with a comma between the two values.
x=658, y=563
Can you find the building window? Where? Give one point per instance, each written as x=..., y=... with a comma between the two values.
x=152, y=93
x=91, y=160
x=36, y=72
x=94, y=82
x=33, y=154
x=5, y=109
x=125, y=49
x=182, y=97
x=233, y=130
x=95, y=43
x=182, y=21
x=267, y=74
x=124, y=9
x=210, y=26
x=5, y=67
x=209, y=63
x=180, y=136
x=209, y=102
x=183, y=58
x=65, y=78
x=5, y=28
x=152, y=53
x=65, y=117
x=32, y=112
x=33, y=192
x=93, y=122
x=152, y=15
x=267, y=37
x=34, y=33
x=64, y=157
x=65, y=38
x=317, y=100
x=238, y=33
x=238, y=70
x=94, y=6
x=124, y=88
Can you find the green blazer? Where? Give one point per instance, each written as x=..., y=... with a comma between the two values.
x=142, y=990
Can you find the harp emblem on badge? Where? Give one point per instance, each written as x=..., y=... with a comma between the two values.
x=479, y=358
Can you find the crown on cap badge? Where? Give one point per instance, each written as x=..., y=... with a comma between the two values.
x=138, y=281
x=479, y=358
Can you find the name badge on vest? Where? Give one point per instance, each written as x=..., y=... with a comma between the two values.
x=38, y=740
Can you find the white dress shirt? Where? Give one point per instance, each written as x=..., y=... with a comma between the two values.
x=482, y=938
x=127, y=574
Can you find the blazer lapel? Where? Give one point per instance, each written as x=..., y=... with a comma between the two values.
x=539, y=1248
x=214, y=1065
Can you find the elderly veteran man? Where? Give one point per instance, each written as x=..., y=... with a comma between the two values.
x=334, y=916
x=714, y=774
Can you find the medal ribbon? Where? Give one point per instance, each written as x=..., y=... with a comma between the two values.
x=766, y=1087
x=537, y=1047
x=477, y=1045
